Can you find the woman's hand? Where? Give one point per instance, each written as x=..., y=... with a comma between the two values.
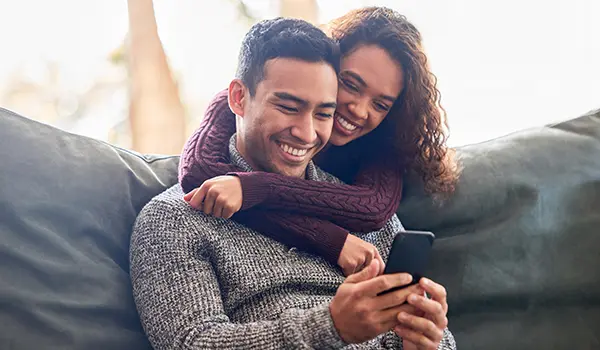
x=220, y=196
x=357, y=254
x=424, y=330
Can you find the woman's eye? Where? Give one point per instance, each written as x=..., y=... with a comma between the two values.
x=349, y=85
x=381, y=107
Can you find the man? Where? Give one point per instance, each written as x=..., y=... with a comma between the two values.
x=207, y=283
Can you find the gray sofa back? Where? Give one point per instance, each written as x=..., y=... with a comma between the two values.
x=519, y=247
x=67, y=205
x=516, y=248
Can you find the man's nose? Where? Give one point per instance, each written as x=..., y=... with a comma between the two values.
x=304, y=129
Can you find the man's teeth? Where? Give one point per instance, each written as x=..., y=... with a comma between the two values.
x=345, y=124
x=293, y=151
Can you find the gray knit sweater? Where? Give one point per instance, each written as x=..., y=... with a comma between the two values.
x=201, y=282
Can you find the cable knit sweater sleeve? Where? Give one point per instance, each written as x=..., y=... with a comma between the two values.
x=362, y=207
x=310, y=234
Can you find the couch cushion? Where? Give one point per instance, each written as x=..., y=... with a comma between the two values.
x=67, y=205
x=518, y=243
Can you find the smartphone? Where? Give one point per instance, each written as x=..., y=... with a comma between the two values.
x=410, y=253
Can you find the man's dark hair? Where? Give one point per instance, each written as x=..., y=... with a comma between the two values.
x=286, y=38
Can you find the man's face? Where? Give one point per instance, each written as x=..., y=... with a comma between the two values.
x=290, y=117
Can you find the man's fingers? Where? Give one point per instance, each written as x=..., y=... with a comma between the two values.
x=385, y=282
x=431, y=307
x=391, y=315
x=395, y=298
x=388, y=319
x=437, y=292
x=421, y=341
x=365, y=274
x=426, y=328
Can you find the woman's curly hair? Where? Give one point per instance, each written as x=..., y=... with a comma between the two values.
x=415, y=130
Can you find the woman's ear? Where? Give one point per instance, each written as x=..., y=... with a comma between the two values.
x=238, y=97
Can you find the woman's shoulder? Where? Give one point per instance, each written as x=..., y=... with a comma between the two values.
x=347, y=162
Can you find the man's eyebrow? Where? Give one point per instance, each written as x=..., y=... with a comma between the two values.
x=328, y=105
x=289, y=97
x=360, y=80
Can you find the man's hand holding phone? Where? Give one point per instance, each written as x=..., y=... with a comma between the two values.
x=358, y=310
x=424, y=329
x=367, y=305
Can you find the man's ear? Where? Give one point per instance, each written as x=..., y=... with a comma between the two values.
x=238, y=97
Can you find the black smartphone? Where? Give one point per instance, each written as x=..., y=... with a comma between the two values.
x=410, y=253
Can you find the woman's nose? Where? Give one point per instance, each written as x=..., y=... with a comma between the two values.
x=359, y=109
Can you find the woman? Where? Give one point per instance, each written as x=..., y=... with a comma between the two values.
x=388, y=122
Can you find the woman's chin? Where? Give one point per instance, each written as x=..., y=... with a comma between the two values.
x=337, y=139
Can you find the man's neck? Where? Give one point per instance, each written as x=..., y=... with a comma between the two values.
x=236, y=156
x=238, y=148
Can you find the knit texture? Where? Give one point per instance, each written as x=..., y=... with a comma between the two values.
x=201, y=282
x=320, y=214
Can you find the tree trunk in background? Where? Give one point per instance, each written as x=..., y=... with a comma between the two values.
x=156, y=113
x=307, y=10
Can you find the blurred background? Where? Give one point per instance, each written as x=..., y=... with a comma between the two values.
x=502, y=65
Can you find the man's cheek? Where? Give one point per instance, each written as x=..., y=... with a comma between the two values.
x=324, y=131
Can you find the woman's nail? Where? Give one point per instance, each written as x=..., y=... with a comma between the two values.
x=412, y=298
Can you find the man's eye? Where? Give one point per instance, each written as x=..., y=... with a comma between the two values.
x=325, y=115
x=287, y=108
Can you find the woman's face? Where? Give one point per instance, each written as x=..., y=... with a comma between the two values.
x=370, y=82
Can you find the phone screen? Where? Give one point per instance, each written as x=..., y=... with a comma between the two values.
x=410, y=253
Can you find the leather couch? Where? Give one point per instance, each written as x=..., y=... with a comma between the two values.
x=517, y=248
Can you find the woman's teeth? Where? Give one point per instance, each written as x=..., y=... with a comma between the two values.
x=345, y=124
x=293, y=151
